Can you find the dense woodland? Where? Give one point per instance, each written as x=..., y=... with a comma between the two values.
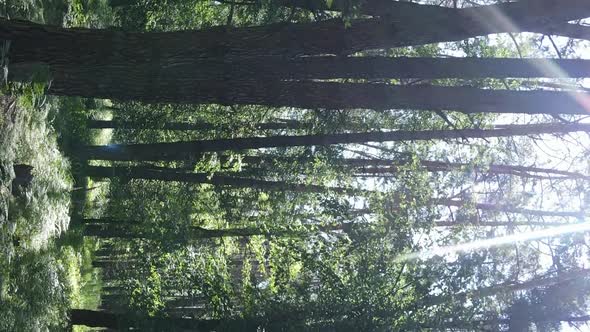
x=295, y=165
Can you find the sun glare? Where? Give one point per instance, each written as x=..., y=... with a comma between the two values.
x=498, y=19
x=497, y=241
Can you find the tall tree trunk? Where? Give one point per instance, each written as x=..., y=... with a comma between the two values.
x=120, y=124
x=402, y=67
x=160, y=66
x=575, y=31
x=183, y=150
x=52, y=45
x=99, y=172
x=183, y=88
x=478, y=223
x=397, y=9
x=125, y=229
x=509, y=287
x=507, y=208
x=325, y=67
x=392, y=166
x=96, y=318
x=121, y=3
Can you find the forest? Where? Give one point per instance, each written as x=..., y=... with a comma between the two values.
x=295, y=165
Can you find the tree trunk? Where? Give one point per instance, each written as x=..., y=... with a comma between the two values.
x=568, y=30
x=395, y=9
x=34, y=43
x=124, y=229
x=118, y=124
x=506, y=208
x=478, y=223
x=402, y=67
x=96, y=318
x=121, y=3
x=183, y=88
x=99, y=172
x=183, y=150
x=326, y=67
x=391, y=166
x=159, y=66
x=509, y=287
x=23, y=177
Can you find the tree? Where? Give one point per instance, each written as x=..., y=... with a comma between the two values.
x=32, y=43
x=182, y=150
x=131, y=230
x=116, y=124
x=383, y=167
x=329, y=95
x=97, y=318
x=218, y=180
x=100, y=63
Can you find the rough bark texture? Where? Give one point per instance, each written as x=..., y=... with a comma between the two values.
x=395, y=9
x=324, y=67
x=414, y=25
x=182, y=88
x=183, y=150
x=101, y=63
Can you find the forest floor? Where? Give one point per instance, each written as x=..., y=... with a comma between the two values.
x=44, y=270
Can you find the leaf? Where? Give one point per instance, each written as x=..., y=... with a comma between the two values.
x=329, y=3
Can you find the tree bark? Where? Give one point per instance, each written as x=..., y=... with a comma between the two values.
x=392, y=166
x=568, y=30
x=104, y=319
x=183, y=88
x=159, y=66
x=119, y=124
x=396, y=9
x=95, y=318
x=402, y=67
x=121, y=3
x=52, y=45
x=183, y=150
x=326, y=67
x=99, y=172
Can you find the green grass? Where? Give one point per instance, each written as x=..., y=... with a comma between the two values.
x=44, y=268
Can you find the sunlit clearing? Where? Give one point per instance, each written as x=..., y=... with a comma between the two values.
x=497, y=241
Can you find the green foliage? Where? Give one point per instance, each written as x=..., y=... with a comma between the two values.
x=319, y=259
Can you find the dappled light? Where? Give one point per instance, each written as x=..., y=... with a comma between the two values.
x=294, y=165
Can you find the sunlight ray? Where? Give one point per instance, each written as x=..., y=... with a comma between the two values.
x=548, y=67
x=497, y=241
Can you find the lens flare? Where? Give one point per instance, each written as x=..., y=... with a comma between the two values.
x=497, y=241
x=496, y=18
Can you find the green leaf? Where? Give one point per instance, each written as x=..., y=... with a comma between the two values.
x=329, y=3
